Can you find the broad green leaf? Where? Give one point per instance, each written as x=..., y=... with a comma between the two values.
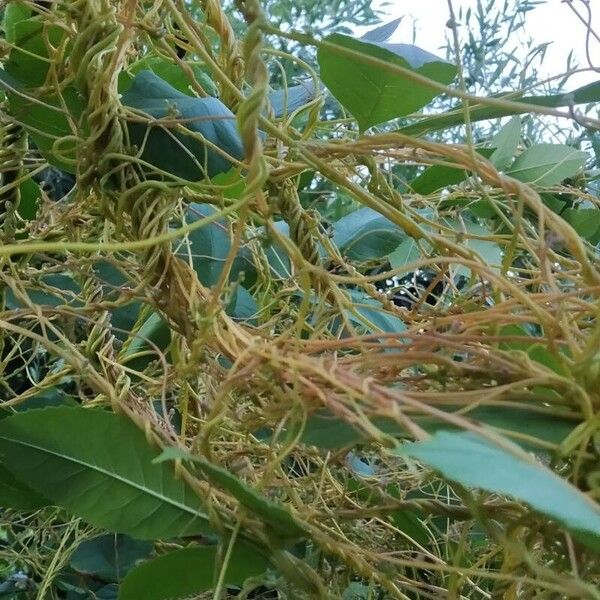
x=553, y=203
x=357, y=591
x=365, y=234
x=189, y=572
x=51, y=289
x=467, y=233
x=47, y=398
x=167, y=148
x=532, y=422
x=124, y=317
x=542, y=355
x=439, y=176
x=506, y=142
x=472, y=461
x=99, y=466
x=48, y=123
x=29, y=203
x=210, y=245
x=14, y=13
x=28, y=66
x=373, y=94
x=370, y=313
x=169, y=72
x=242, y=305
x=286, y=100
x=109, y=557
x=533, y=348
x=27, y=61
x=8, y=82
x=489, y=251
x=327, y=431
x=585, y=221
x=410, y=523
x=455, y=117
x=407, y=252
x=79, y=587
x=232, y=184
x=17, y=495
x=272, y=513
x=547, y=164
x=154, y=332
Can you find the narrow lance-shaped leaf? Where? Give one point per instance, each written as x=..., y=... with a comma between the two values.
x=455, y=117
x=272, y=513
x=506, y=142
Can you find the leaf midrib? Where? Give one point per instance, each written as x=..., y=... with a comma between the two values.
x=109, y=474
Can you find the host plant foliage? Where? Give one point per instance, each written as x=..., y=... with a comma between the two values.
x=267, y=338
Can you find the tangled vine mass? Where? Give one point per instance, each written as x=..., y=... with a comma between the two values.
x=258, y=316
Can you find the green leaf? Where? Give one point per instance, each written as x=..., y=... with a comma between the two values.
x=439, y=176
x=553, y=203
x=174, y=152
x=407, y=252
x=455, y=117
x=124, y=317
x=409, y=522
x=542, y=355
x=506, y=142
x=370, y=313
x=286, y=100
x=49, y=123
x=109, y=557
x=242, y=305
x=365, y=234
x=15, y=494
x=99, y=466
x=189, y=572
x=547, y=164
x=169, y=72
x=28, y=66
x=357, y=591
x=51, y=289
x=381, y=33
x=585, y=221
x=489, y=251
x=210, y=246
x=324, y=430
x=373, y=94
x=27, y=61
x=523, y=421
x=14, y=13
x=29, y=203
x=154, y=332
x=278, y=517
x=472, y=461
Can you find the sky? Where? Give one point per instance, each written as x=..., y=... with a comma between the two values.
x=551, y=21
